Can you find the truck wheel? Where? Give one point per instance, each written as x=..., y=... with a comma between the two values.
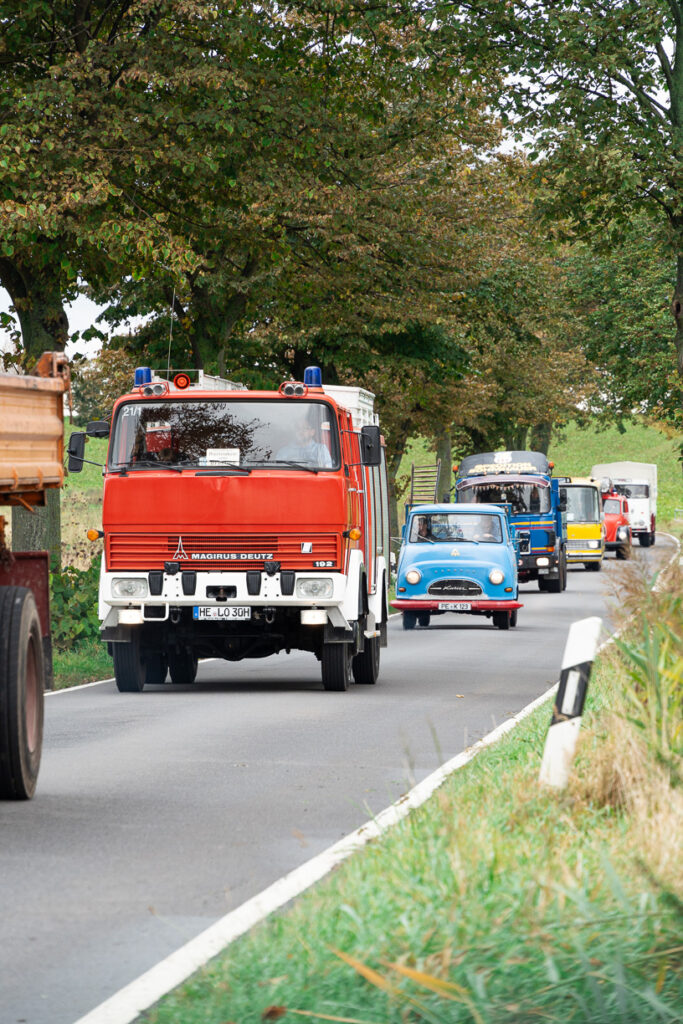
x=653, y=538
x=336, y=666
x=542, y=584
x=182, y=665
x=409, y=620
x=624, y=552
x=644, y=540
x=423, y=619
x=129, y=669
x=513, y=617
x=501, y=620
x=365, y=665
x=156, y=667
x=593, y=566
x=22, y=683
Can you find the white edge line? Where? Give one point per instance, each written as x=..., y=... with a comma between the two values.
x=126, y=1005
x=132, y=1000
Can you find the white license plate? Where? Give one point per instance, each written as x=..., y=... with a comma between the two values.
x=227, y=612
x=455, y=606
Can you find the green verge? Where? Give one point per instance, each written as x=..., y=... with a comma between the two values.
x=85, y=662
x=495, y=902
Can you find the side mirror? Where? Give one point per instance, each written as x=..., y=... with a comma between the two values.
x=98, y=428
x=370, y=446
x=76, y=451
x=563, y=500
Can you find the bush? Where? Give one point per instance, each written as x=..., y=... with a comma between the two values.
x=73, y=597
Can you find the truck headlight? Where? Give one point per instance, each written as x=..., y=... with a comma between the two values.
x=496, y=576
x=593, y=543
x=129, y=588
x=318, y=587
x=413, y=576
x=622, y=533
x=543, y=561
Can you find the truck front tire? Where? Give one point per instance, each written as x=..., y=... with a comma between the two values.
x=336, y=666
x=129, y=670
x=22, y=684
x=365, y=665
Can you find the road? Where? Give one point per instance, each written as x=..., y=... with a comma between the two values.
x=157, y=813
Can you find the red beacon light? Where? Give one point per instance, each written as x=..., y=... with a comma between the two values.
x=181, y=381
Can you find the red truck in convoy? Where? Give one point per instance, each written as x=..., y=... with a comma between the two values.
x=31, y=457
x=238, y=524
x=617, y=524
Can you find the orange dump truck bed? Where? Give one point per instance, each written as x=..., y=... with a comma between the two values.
x=31, y=432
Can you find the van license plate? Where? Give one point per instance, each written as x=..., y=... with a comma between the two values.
x=227, y=612
x=455, y=606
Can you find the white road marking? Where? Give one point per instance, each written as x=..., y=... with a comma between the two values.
x=132, y=1000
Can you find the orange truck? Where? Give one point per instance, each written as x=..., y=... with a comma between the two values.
x=31, y=463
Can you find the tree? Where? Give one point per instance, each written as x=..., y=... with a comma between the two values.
x=599, y=85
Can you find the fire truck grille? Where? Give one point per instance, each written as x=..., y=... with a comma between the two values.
x=455, y=588
x=144, y=551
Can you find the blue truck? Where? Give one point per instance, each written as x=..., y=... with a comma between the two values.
x=523, y=481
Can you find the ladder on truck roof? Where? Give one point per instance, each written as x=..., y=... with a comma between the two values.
x=424, y=483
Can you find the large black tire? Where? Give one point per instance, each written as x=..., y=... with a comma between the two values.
x=22, y=685
x=156, y=667
x=593, y=566
x=624, y=552
x=336, y=666
x=543, y=584
x=409, y=620
x=644, y=539
x=182, y=665
x=653, y=538
x=513, y=617
x=365, y=666
x=423, y=619
x=129, y=668
x=501, y=620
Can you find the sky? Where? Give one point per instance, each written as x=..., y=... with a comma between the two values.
x=82, y=314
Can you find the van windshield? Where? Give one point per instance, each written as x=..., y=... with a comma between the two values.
x=196, y=433
x=450, y=526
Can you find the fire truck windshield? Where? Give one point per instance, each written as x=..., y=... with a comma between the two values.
x=248, y=433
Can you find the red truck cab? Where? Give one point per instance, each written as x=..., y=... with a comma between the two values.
x=617, y=524
x=238, y=524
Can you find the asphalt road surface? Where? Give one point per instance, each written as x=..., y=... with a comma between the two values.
x=157, y=813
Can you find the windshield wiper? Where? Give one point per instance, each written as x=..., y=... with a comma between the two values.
x=152, y=464
x=288, y=462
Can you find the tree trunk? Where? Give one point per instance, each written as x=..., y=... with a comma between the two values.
x=677, y=310
x=37, y=297
x=444, y=448
x=393, y=465
x=539, y=437
x=40, y=530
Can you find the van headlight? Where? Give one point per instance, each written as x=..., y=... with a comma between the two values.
x=496, y=576
x=413, y=576
x=125, y=588
x=317, y=587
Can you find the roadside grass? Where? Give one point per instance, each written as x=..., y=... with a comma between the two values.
x=574, y=449
x=497, y=902
x=84, y=662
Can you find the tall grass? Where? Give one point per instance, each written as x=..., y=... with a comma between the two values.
x=497, y=902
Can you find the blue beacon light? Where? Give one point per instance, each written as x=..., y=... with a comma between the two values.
x=143, y=375
x=313, y=377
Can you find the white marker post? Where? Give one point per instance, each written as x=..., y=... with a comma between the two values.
x=560, y=743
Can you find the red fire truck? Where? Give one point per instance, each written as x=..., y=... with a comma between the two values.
x=238, y=524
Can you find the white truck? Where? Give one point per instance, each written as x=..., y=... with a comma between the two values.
x=637, y=481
